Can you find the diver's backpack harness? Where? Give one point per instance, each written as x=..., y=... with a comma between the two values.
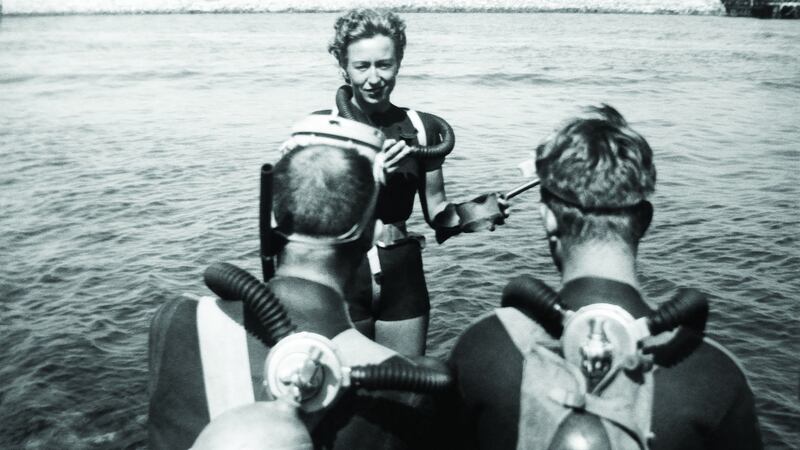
x=593, y=388
x=305, y=369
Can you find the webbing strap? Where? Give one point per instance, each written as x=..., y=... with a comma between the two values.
x=224, y=357
x=375, y=270
x=355, y=349
x=551, y=388
x=413, y=116
x=374, y=262
x=546, y=382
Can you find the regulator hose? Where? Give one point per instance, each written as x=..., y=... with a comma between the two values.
x=400, y=378
x=440, y=127
x=688, y=307
x=232, y=283
x=538, y=301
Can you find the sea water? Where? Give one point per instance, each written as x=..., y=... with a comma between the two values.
x=131, y=148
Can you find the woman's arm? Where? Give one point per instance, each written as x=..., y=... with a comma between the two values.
x=446, y=217
x=434, y=201
x=440, y=214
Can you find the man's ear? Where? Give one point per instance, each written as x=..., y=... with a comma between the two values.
x=548, y=220
x=553, y=235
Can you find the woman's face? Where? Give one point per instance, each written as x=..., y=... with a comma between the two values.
x=372, y=68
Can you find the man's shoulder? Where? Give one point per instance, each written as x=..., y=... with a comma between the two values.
x=709, y=383
x=177, y=404
x=176, y=311
x=723, y=358
x=705, y=396
x=710, y=360
x=484, y=343
x=172, y=324
x=719, y=367
x=481, y=331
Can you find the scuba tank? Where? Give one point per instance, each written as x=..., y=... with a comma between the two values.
x=603, y=353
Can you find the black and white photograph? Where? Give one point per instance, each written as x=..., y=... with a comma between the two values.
x=400, y=224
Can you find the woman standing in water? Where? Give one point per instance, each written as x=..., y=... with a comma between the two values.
x=369, y=48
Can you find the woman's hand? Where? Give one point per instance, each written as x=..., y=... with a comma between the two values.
x=504, y=206
x=396, y=153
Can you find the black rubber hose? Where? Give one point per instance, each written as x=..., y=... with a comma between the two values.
x=537, y=300
x=343, y=96
x=440, y=127
x=265, y=223
x=689, y=307
x=399, y=377
x=232, y=283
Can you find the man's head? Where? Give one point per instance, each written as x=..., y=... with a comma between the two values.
x=256, y=426
x=324, y=192
x=596, y=175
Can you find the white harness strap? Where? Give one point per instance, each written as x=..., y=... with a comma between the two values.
x=223, y=353
x=374, y=269
x=374, y=262
x=413, y=116
x=355, y=349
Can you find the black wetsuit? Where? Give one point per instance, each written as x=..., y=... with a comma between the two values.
x=404, y=293
x=701, y=402
x=178, y=409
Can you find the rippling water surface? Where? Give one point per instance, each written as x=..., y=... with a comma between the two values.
x=131, y=146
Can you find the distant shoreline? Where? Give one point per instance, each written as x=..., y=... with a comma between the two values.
x=127, y=7
x=398, y=10
x=731, y=8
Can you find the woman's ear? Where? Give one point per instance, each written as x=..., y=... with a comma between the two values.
x=343, y=72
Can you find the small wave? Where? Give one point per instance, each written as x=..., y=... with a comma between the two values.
x=11, y=79
x=490, y=78
x=782, y=84
x=59, y=7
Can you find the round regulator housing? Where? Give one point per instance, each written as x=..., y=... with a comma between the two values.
x=597, y=336
x=305, y=370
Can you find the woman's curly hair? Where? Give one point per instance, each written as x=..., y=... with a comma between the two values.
x=365, y=23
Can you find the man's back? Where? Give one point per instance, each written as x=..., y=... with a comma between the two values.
x=702, y=401
x=179, y=403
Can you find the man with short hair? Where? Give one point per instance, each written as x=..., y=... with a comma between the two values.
x=203, y=364
x=596, y=176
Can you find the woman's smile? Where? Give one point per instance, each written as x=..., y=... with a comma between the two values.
x=372, y=68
